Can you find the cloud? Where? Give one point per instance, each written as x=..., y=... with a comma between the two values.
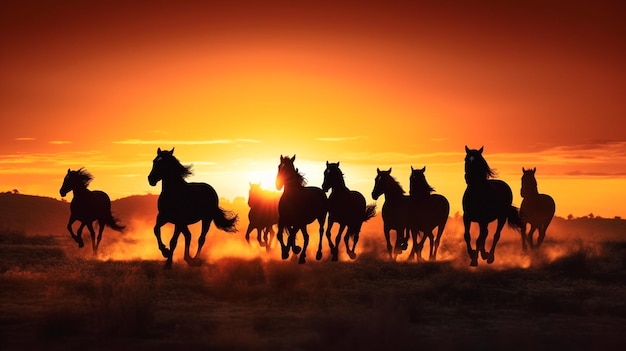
x=185, y=142
x=24, y=139
x=333, y=139
x=60, y=142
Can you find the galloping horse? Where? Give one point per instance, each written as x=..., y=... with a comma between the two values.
x=87, y=206
x=396, y=210
x=536, y=209
x=484, y=201
x=182, y=203
x=263, y=214
x=431, y=210
x=298, y=206
x=346, y=207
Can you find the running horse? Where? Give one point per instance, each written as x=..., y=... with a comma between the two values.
x=182, y=203
x=299, y=205
x=430, y=211
x=345, y=207
x=484, y=201
x=87, y=206
x=536, y=209
x=396, y=210
x=263, y=214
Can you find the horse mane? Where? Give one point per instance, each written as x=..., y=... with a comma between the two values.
x=184, y=171
x=84, y=176
x=422, y=188
x=481, y=169
x=397, y=186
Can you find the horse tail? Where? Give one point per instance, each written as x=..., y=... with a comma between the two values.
x=113, y=223
x=370, y=211
x=226, y=220
x=513, y=219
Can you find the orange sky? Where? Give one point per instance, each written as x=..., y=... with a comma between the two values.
x=232, y=87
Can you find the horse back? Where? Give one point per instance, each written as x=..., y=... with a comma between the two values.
x=346, y=205
x=302, y=206
x=540, y=208
x=487, y=201
x=188, y=204
x=91, y=205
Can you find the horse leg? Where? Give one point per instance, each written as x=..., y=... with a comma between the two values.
x=429, y=236
x=284, y=248
x=496, y=237
x=206, y=224
x=414, y=233
x=331, y=222
x=305, y=244
x=482, y=239
x=157, y=233
x=76, y=238
x=320, y=221
x=541, y=235
x=351, y=233
x=248, y=231
x=92, y=232
x=270, y=234
x=173, y=242
x=473, y=254
x=533, y=227
x=196, y=261
x=259, y=239
x=437, y=240
x=524, y=236
x=401, y=241
x=79, y=235
x=388, y=239
x=335, y=251
x=100, y=230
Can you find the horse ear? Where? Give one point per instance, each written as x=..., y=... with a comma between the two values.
x=68, y=171
x=377, y=170
x=534, y=170
x=466, y=148
x=480, y=150
x=293, y=158
x=523, y=169
x=158, y=151
x=412, y=168
x=424, y=169
x=389, y=169
x=326, y=163
x=337, y=163
x=172, y=152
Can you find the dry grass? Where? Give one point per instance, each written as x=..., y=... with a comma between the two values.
x=49, y=300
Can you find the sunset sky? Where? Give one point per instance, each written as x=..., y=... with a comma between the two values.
x=234, y=85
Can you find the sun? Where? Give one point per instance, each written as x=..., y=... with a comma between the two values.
x=265, y=176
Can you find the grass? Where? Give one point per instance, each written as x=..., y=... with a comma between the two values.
x=50, y=300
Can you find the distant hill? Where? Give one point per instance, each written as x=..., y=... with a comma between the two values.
x=44, y=216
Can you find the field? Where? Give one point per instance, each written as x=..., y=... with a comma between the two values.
x=57, y=297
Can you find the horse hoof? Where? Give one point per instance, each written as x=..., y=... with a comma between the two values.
x=285, y=254
x=302, y=260
x=167, y=266
x=297, y=249
x=335, y=258
x=81, y=245
x=166, y=252
x=490, y=259
x=474, y=263
x=352, y=255
x=194, y=262
x=318, y=256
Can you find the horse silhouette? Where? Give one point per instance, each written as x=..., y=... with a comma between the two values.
x=396, y=210
x=536, y=209
x=430, y=211
x=346, y=207
x=299, y=205
x=182, y=203
x=484, y=201
x=87, y=206
x=263, y=214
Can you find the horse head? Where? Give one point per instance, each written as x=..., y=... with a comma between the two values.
x=74, y=180
x=332, y=176
x=476, y=167
x=417, y=182
x=254, y=194
x=380, y=181
x=529, y=182
x=285, y=169
x=165, y=164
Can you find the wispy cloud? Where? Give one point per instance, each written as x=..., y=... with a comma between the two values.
x=185, y=142
x=358, y=137
x=24, y=139
x=60, y=142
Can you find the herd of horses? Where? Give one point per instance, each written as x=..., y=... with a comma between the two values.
x=414, y=216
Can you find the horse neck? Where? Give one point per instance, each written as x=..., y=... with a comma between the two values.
x=80, y=190
x=529, y=191
x=339, y=185
x=172, y=183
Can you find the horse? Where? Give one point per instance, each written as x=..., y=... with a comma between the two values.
x=182, y=203
x=299, y=205
x=536, y=209
x=431, y=211
x=396, y=210
x=484, y=201
x=346, y=207
x=263, y=214
x=88, y=206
